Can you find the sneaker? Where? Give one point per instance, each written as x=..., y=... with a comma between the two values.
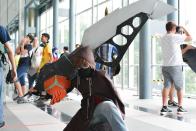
x=45, y=97
x=16, y=98
x=172, y=103
x=21, y=100
x=181, y=110
x=32, y=98
x=165, y=110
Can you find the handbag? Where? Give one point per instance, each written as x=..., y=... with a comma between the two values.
x=9, y=78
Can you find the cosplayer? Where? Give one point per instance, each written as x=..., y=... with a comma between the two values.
x=101, y=107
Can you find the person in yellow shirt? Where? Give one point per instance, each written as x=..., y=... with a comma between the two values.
x=47, y=50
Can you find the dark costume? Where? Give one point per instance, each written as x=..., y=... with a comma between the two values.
x=95, y=88
x=93, y=85
x=190, y=57
x=100, y=89
x=62, y=67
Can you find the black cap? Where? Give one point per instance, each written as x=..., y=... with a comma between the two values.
x=46, y=35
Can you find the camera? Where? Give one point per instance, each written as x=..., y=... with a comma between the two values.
x=179, y=30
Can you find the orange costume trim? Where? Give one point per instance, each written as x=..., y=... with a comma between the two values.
x=57, y=87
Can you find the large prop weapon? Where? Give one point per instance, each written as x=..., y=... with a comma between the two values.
x=134, y=16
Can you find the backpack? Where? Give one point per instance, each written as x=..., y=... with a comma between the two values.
x=34, y=62
x=3, y=59
x=34, y=59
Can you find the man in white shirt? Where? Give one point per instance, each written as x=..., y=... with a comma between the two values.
x=172, y=64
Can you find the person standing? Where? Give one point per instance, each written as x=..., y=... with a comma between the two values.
x=47, y=50
x=47, y=57
x=23, y=50
x=4, y=39
x=172, y=64
x=184, y=48
x=65, y=51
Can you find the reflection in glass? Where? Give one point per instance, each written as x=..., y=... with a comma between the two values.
x=107, y=52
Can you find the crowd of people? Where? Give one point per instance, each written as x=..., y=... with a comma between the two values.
x=32, y=57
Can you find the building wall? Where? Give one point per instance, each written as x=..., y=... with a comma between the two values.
x=8, y=11
x=11, y=11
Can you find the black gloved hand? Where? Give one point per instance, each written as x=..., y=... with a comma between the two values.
x=85, y=72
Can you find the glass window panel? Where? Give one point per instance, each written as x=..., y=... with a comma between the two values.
x=50, y=17
x=100, y=1
x=83, y=21
x=125, y=71
x=82, y=5
x=64, y=35
x=117, y=4
x=47, y=18
x=63, y=10
x=102, y=7
x=64, y=4
x=43, y=21
x=188, y=19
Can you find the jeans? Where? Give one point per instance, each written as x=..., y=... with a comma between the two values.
x=21, y=72
x=108, y=112
x=1, y=95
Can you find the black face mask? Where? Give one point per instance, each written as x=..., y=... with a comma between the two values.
x=85, y=72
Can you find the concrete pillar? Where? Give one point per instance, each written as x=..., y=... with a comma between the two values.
x=37, y=23
x=72, y=25
x=55, y=22
x=26, y=25
x=145, y=88
x=21, y=20
x=173, y=16
x=31, y=17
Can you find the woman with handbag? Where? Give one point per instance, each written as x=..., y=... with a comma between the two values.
x=35, y=56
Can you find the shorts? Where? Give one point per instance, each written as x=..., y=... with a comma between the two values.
x=173, y=74
x=21, y=72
